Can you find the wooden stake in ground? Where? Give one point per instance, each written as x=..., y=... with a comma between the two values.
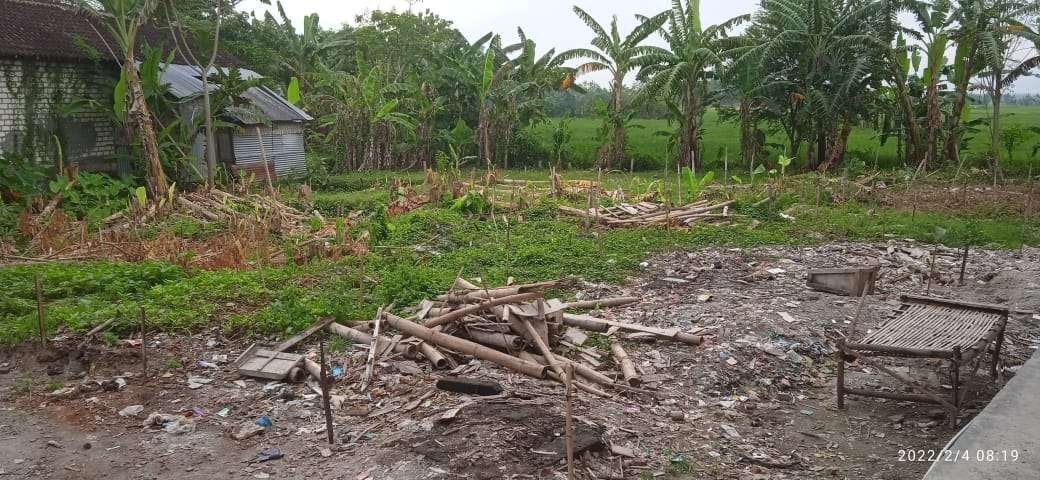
x=144, y=342
x=39, y=312
x=371, y=351
x=324, y=380
x=569, y=422
x=964, y=263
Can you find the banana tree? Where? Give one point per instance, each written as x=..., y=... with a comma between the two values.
x=935, y=22
x=618, y=56
x=693, y=59
x=124, y=19
x=819, y=67
x=1001, y=48
x=303, y=51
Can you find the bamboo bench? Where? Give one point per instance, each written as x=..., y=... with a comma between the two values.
x=927, y=327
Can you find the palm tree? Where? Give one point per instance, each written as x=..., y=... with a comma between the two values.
x=683, y=73
x=619, y=56
x=124, y=19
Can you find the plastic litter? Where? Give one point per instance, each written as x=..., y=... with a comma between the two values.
x=265, y=421
x=175, y=424
x=273, y=453
x=131, y=411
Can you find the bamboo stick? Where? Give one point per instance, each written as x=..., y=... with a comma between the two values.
x=40, y=318
x=602, y=302
x=408, y=350
x=498, y=292
x=462, y=312
x=465, y=346
x=569, y=423
x=602, y=325
x=582, y=369
x=628, y=369
x=542, y=347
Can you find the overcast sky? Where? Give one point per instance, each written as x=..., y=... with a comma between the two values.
x=549, y=23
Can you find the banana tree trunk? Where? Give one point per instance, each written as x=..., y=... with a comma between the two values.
x=996, y=97
x=838, y=145
x=933, y=122
x=484, y=134
x=959, y=101
x=747, y=133
x=142, y=118
x=688, y=156
x=616, y=155
x=913, y=133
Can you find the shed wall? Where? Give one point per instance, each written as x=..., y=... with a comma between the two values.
x=283, y=145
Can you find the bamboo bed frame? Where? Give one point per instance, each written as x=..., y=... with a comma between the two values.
x=928, y=327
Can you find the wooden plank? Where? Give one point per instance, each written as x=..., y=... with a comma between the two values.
x=264, y=363
x=299, y=337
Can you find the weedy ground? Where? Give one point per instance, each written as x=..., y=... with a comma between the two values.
x=419, y=253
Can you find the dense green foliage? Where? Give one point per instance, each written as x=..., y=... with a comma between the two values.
x=822, y=80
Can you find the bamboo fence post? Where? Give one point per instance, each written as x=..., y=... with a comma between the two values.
x=40, y=319
x=569, y=422
x=371, y=351
x=144, y=341
x=324, y=380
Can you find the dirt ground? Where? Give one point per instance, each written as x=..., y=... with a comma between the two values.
x=757, y=401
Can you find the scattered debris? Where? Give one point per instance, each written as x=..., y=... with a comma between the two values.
x=647, y=213
x=175, y=424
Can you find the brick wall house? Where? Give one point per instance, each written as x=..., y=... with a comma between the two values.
x=47, y=69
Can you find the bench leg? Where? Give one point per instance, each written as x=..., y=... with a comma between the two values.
x=955, y=364
x=996, y=356
x=841, y=374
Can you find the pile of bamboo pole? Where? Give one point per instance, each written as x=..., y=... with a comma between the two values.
x=513, y=326
x=646, y=213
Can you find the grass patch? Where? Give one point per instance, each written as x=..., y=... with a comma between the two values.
x=417, y=255
x=649, y=148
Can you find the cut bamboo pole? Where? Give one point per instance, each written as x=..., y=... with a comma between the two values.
x=479, y=294
x=628, y=369
x=465, y=346
x=602, y=325
x=370, y=364
x=495, y=339
x=582, y=369
x=434, y=356
x=462, y=312
x=602, y=302
x=408, y=350
x=542, y=347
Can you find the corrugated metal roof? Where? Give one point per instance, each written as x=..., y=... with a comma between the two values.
x=185, y=82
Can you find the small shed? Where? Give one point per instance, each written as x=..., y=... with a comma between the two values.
x=273, y=133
